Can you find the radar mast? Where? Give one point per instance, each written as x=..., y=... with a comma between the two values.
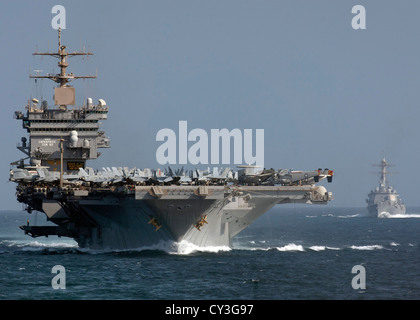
x=64, y=94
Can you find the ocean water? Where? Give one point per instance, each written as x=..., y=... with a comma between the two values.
x=291, y=252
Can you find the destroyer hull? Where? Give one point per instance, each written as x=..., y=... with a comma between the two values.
x=146, y=217
x=376, y=210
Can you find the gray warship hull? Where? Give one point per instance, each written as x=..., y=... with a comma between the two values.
x=121, y=209
x=146, y=216
x=384, y=210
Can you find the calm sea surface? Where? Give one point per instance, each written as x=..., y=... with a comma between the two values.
x=291, y=252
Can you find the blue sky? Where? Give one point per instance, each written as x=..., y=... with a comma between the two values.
x=325, y=94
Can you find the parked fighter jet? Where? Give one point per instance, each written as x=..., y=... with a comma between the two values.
x=139, y=176
x=179, y=176
x=219, y=176
x=248, y=175
x=48, y=176
x=200, y=175
x=159, y=177
x=289, y=177
x=23, y=175
x=213, y=176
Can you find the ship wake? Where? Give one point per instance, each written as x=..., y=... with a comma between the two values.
x=164, y=246
x=388, y=215
x=167, y=247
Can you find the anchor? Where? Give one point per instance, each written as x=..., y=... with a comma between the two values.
x=201, y=223
x=154, y=223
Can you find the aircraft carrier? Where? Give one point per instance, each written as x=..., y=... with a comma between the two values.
x=121, y=208
x=384, y=200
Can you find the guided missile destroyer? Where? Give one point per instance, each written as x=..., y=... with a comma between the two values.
x=122, y=208
x=384, y=199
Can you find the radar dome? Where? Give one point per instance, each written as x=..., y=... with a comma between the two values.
x=73, y=138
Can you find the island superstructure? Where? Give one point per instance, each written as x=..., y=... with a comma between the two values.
x=384, y=199
x=122, y=208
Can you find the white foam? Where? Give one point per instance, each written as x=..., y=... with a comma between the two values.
x=288, y=247
x=370, y=247
x=291, y=247
x=171, y=247
x=184, y=248
x=252, y=248
x=393, y=216
x=328, y=215
x=52, y=244
x=333, y=248
x=38, y=245
x=318, y=248
x=322, y=248
x=349, y=216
